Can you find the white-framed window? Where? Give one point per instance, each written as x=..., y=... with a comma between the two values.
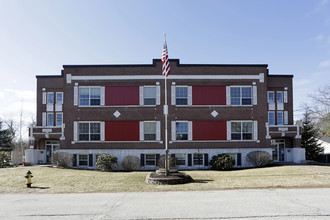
x=181, y=130
x=180, y=159
x=150, y=159
x=50, y=119
x=83, y=159
x=59, y=119
x=280, y=118
x=181, y=95
x=50, y=98
x=271, y=97
x=279, y=97
x=241, y=130
x=198, y=159
x=89, y=96
x=241, y=95
x=89, y=131
x=271, y=118
x=150, y=130
x=149, y=95
x=59, y=98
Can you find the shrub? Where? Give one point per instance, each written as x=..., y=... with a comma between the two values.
x=130, y=163
x=222, y=162
x=161, y=161
x=258, y=158
x=105, y=162
x=62, y=159
x=4, y=159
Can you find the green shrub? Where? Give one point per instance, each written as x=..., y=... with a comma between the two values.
x=4, y=159
x=62, y=159
x=222, y=162
x=258, y=158
x=131, y=163
x=106, y=161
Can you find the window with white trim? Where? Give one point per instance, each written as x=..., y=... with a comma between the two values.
x=50, y=98
x=89, y=96
x=59, y=98
x=271, y=118
x=150, y=130
x=59, y=119
x=279, y=97
x=280, y=118
x=89, y=131
x=181, y=130
x=271, y=96
x=241, y=130
x=50, y=119
x=83, y=159
x=149, y=95
x=241, y=95
x=180, y=159
x=181, y=94
x=150, y=159
x=198, y=159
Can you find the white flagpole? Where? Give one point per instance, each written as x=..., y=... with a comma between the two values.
x=167, y=164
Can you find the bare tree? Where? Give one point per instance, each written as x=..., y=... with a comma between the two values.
x=320, y=110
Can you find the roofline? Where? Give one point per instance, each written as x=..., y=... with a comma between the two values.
x=281, y=75
x=154, y=61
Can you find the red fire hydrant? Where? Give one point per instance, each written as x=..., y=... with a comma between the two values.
x=28, y=179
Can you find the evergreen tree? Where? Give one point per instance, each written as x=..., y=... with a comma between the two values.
x=309, y=134
x=6, y=138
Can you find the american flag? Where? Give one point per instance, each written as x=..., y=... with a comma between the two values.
x=165, y=61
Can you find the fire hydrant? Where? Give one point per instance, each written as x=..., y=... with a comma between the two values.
x=28, y=178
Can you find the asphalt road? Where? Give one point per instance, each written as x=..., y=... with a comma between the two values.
x=229, y=204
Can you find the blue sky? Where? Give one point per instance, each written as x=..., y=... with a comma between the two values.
x=38, y=37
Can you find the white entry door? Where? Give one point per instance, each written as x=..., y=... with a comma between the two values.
x=278, y=147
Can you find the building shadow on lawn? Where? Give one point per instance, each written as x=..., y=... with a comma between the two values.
x=201, y=181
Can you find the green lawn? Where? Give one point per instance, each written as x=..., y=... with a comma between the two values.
x=55, y=180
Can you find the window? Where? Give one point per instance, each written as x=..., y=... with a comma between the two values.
x=271, y=118
x=279, y=97
x=59, y=98
x=89, y=131
x=280, y=118
x=150, y=160
x=181, y=95
x=198, y=159
x=89, y=96
x=150, y=95
x=50, y=119
x=241, y=130
x=149, y=131
x=59, y=119
x=271, y=97
x=50, y=98
x=181, y=130
x=83, y=160
x=240, y=95
x=180, y=159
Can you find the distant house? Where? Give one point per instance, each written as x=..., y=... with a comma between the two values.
x=325, y=143
x=90, y=110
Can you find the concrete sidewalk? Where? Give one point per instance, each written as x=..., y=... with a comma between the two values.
x=230, y=204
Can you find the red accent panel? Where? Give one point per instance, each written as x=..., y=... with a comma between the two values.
x=122, y=131
x=209, y=130
x=122, y=95
x=209, y=95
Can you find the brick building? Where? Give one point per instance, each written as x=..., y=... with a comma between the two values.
x=118, y=109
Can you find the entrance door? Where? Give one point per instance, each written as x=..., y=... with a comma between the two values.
x=51, y=148
x=278, y=147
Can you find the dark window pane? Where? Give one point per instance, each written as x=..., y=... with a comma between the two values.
x=247, y=136
x=149, y=101
x=180, y=101
x=235, y=136
x=149, y=137
x=182, y=136
x=246, y=101
x=83, y=137
x=95, y=102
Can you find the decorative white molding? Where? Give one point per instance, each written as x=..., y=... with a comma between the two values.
x=116, y=114
x=214, y=113
x=259, y=77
